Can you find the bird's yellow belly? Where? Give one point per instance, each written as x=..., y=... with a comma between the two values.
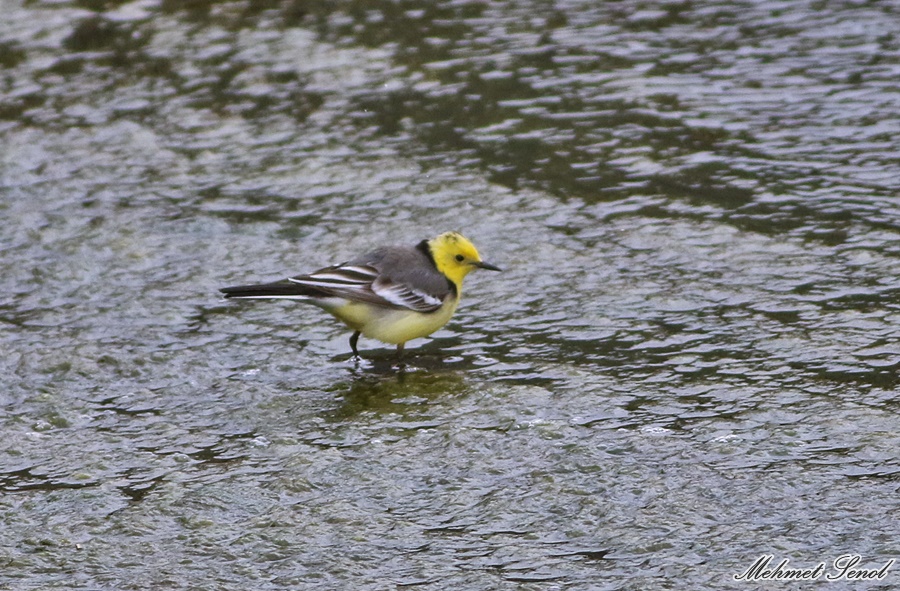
x=393, y=326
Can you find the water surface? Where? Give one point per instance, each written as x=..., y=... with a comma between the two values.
x=689, y=361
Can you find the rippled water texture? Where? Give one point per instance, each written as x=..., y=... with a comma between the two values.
x=690, y=360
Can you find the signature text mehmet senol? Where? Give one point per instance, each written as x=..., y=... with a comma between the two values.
x=846, y=567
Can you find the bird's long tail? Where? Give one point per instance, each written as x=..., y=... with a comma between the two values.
x=277, y=290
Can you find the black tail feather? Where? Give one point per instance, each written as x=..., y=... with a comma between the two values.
x=269, y=290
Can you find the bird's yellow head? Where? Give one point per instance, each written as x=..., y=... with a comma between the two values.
x=456, y=257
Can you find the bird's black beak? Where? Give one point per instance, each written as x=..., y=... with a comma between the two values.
x=488, y=266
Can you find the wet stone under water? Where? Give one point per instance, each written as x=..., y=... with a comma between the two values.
x=690, y=360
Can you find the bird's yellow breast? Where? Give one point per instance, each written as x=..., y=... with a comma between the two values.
x=390, y=325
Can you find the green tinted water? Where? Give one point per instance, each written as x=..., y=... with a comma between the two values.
x=690, y=359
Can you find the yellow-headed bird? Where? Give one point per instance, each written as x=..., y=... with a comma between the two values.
x=393, y=294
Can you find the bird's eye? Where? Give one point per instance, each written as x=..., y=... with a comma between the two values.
x=460, y=258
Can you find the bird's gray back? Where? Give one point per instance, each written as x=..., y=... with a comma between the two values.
x=409, y=266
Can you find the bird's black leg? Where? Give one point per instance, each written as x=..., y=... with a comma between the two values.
x=353, y=339
x=400, y=351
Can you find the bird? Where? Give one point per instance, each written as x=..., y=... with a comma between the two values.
x=392, y=294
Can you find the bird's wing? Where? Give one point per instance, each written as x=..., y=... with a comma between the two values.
x=403, y=295
x=364, y=283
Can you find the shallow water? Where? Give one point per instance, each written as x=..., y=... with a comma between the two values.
x=690, y=359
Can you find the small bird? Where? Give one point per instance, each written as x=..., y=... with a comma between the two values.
x=393, y=294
